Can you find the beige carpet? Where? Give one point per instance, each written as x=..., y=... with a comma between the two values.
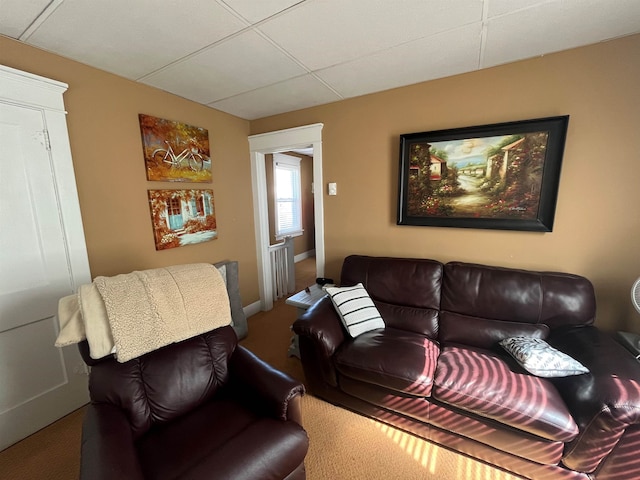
x=50, y=454
x=348, y=446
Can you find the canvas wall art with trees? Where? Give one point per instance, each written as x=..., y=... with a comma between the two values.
x=500, y=176
x=174, y=151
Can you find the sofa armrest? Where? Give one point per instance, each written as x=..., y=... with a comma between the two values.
x=108, y=451
x=322, y=323
x=320, y=333
x=604, y=402
x=264, y=388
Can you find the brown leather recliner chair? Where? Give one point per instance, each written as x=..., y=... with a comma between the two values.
x=202, y=408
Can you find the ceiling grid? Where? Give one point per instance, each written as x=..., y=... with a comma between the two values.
x=259, y=58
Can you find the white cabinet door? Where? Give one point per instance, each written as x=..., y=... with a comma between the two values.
x=41, y=260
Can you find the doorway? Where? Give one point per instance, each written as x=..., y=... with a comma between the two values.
x=309, y=136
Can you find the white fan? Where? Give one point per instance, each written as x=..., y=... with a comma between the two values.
x=631, y=341
x=635, y=295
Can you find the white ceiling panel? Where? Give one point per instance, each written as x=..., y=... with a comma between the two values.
x=255, y=58
x=442, y=55
x=225, y=70
x=257, y=10
x=554, y=26
x=325, y=33
x=133, y=38
x=294, y=94
x=17, y=15
x=496, y=8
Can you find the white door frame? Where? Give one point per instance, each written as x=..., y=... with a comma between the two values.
x=274, y=142
x=44, y=404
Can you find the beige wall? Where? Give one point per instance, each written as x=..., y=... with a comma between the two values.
x=307, y=241
x=107, y=154
x=597, y=224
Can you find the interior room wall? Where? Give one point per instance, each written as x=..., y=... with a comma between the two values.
x=110, y=173
x=306, y=242
x=597, y=224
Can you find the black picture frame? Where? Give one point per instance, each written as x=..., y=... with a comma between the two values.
x=502, y=176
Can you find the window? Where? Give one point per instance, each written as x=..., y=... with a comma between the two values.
x=288, y=202
x=174, y=206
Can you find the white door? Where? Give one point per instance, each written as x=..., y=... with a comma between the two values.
x=41, y=259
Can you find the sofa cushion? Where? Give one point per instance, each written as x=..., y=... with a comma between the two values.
x=391, y=358
x=539, y=358
x=406, y=291
x=455, y=328
x=481, y=382
x=499, y=293
x=356, y=309
x=423, y=321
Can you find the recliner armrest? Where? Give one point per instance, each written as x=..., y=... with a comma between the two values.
x=603, y=402
x=263, y=387
x=108, y=451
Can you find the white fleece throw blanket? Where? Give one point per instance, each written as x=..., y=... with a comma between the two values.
x=145, y=310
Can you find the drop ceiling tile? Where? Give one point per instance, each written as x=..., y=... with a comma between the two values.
x=159, y=41
x=555, y=26
x=133, y=38
x=255, y=11
x=325, y=33
x=239, y=64
x=295, y=94
x=438, y=56
x=501, y=7
x=17, y=15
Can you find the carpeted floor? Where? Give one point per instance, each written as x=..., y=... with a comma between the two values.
x=52, y=453
x=347, y=446
x=343, y=445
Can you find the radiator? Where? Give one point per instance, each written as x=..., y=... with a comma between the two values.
x=283, y=273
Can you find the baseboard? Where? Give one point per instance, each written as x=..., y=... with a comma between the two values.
x=252, y=309
x=304, y=255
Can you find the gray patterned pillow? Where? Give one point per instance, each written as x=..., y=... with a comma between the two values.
x=539, y=358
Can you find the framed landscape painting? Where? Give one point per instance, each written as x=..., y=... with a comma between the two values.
x=182, y=217
x=502, y=176
x=174, y=151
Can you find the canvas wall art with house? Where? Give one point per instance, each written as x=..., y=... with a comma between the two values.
x=182, y=217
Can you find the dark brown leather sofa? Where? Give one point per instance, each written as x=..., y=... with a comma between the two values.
x=204, y=408
x=435, y=369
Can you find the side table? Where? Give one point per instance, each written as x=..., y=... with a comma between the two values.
x=302, y=301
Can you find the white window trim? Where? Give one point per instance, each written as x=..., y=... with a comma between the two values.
x=294, y=163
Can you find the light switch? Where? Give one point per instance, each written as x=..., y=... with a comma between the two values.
x=333, y=189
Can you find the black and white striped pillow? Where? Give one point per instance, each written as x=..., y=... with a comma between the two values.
x=356, y=309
